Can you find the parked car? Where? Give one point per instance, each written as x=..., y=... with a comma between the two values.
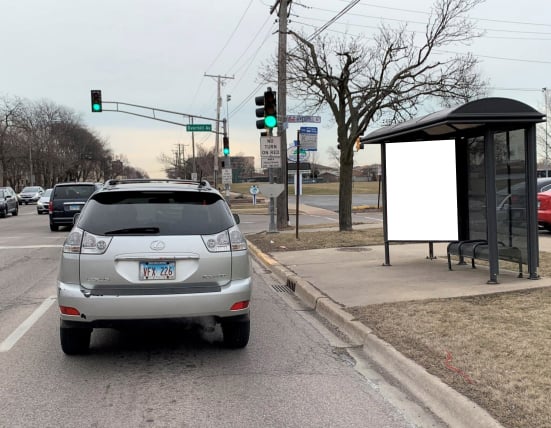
x=66, y=200
x=154, y=250
x=8, y=202
x=544, y=210
x=42, y=205
x=30, y=194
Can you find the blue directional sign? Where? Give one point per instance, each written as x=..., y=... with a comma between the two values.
x=308, y=130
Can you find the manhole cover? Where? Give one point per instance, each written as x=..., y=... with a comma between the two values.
x=354, y=249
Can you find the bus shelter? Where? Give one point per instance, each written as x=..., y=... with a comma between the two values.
x=493, y=144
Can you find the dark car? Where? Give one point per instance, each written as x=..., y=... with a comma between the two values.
x=67, y=200
x=8, y=202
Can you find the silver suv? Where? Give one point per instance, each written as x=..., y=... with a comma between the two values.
x=153, y=250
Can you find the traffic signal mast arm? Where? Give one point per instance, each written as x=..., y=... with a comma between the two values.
x=155, y=114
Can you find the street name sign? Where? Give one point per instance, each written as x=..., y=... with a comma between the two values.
x=199, y=127
x=302, y=119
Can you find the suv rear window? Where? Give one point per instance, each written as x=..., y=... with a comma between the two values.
x=74, y=192
x=163, y=212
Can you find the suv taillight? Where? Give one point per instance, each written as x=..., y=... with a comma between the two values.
x=81, y=242
x=51, y=207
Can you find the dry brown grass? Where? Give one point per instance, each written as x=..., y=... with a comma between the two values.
x=500, y=343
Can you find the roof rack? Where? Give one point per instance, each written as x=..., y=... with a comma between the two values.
x=115, y=181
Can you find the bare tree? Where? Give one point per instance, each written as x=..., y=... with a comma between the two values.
x=11, y=111
x=363, y=80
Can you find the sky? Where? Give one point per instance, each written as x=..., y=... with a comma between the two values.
x=163, y=53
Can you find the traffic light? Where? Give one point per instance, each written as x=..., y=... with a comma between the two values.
x=359, y=144
x=226, y=149
x=268, y=111
x=96, y=101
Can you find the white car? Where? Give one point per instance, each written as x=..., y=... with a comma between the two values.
x=42, y=205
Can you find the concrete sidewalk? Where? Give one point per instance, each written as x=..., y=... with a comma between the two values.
x=329, y=280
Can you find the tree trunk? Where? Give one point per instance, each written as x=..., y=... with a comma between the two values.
x=345, y=190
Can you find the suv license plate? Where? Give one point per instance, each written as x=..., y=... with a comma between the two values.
x=74, y=207
x=157, y=270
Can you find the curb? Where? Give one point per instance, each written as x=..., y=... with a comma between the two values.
x=449, y=405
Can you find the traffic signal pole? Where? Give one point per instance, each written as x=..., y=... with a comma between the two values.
x=283, y=198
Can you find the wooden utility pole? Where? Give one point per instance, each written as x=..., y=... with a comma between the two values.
x=218, y=108
x=282, y=199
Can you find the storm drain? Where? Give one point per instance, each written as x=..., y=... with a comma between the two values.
x=280, y=288
x=292, y=285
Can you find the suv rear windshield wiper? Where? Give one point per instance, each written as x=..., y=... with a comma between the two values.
x=131, y=230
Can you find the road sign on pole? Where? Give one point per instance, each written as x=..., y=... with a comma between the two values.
x=302, y=119
x=308, y=137
x=270, y=152
x=196, y=127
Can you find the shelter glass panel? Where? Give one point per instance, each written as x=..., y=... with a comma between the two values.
x=476, y=188
x=511, y=194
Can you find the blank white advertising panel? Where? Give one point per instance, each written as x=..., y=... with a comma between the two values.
x=421, y=191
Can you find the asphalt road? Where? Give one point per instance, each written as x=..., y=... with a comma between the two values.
x=296, y=372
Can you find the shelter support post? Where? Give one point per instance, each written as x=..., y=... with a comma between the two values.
x=491, y=203
x=532, y=209
x=385, y=212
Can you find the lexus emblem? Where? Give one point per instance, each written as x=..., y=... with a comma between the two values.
x=157, y=245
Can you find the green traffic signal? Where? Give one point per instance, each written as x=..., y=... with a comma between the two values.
x=226, y=145
x=270, y=121
x=96, y=101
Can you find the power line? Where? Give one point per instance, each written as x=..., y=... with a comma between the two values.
x=231, y=35
x=408, y=21
x=478, y=19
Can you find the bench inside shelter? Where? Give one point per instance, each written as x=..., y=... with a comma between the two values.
x=478, y=249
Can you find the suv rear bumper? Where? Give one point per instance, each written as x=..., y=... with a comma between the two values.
x=95, y=309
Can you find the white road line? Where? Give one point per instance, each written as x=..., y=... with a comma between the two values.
x=25, y=326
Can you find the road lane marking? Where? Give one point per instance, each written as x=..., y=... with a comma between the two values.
x=25, y=326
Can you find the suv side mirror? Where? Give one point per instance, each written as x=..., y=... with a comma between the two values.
x=236, y=218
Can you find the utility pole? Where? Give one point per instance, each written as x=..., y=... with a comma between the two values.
x=282, y=199
x=546, y=132
x=218, y=108
x=194, y=166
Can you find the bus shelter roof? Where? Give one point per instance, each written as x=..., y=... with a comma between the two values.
x=504, y=113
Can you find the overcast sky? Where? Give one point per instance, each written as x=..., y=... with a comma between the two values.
x=157, y=53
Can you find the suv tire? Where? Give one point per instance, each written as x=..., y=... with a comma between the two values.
x=54, y=227
x=236, y=333
x=16, y=211
x=75, y=341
